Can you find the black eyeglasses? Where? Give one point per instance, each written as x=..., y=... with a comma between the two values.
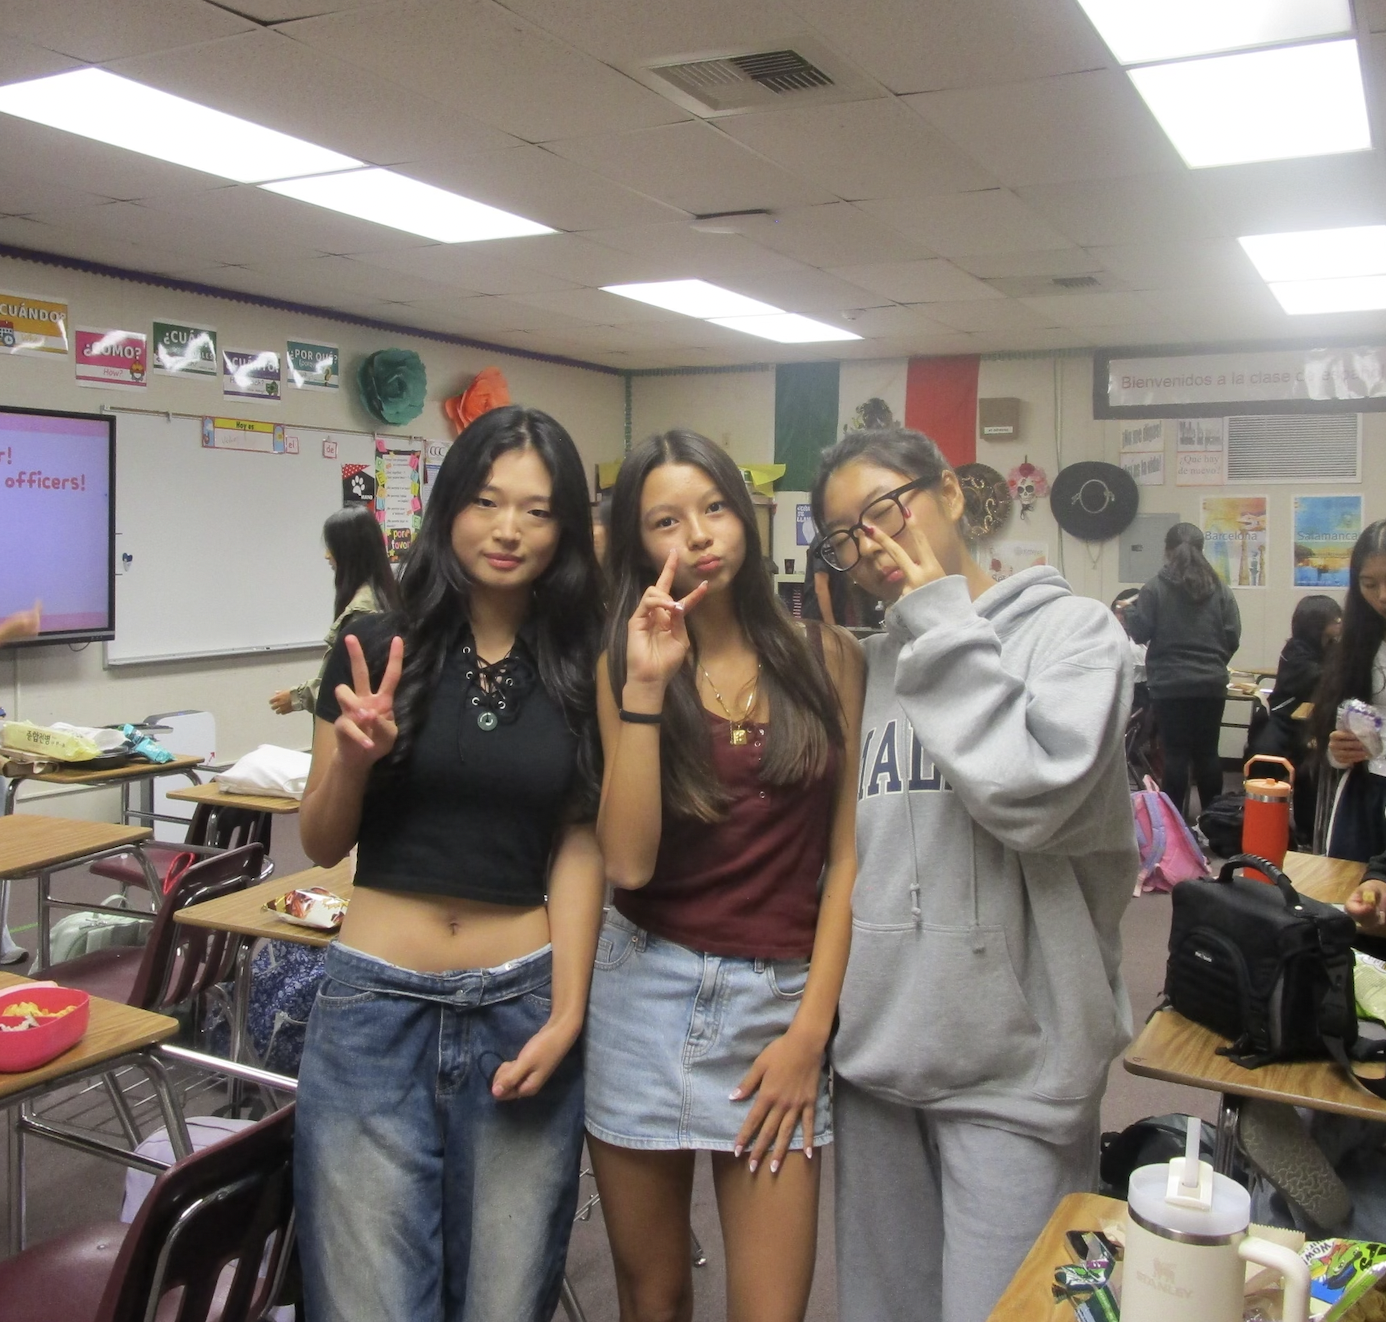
x=840, y=550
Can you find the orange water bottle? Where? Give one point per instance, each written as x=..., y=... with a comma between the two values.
x=1266, y=816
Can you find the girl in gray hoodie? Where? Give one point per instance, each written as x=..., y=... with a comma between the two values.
x=983, y=1000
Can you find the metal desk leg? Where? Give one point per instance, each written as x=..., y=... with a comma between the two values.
x=1225, y=1148
x=15, y=1153
x=43, y=956
x=174, y=1121
x=570, y=1303
x=7, y=942
x=240, y=1012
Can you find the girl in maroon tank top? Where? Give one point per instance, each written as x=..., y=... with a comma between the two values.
x=727, y=825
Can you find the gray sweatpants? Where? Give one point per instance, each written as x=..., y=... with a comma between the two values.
x=934, y=1215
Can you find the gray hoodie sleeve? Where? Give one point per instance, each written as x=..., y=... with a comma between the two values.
x=1024, y=753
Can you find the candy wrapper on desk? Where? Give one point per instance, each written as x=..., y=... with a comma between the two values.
x=311, y=906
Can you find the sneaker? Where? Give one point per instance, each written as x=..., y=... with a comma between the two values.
x=1280, y=1149
x=14, y=955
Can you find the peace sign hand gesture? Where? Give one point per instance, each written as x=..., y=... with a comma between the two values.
x=657, y=636
x=366, y=729
x=916, y=561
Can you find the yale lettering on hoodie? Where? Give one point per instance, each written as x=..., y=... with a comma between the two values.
x=880, y=774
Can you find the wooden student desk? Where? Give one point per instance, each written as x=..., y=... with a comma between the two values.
x=116, y=1036
x=34, y=846
x=214, y=796
x=1028, y=1297
x=243, y=913
x=123, y=776
x=1175, y=1050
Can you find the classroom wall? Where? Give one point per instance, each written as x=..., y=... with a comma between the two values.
x=64, y=683
x=1057, y=428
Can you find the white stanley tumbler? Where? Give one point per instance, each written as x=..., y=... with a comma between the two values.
x=1187, y=1246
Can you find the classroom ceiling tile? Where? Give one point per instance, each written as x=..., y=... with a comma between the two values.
x=1316, y=193
x=21, y=193
x=989, y=316
x=574, y=258
x=283, y=11
x=476, y=57
x=1179, y=266
x=634, y=32
x=673, y=251
x=266, y=77
x=498, y=313
x=838, y=234
x=1148, y=208
x=457, y=267
x=692, y=166
x=860, y=149
x=931, y=281
x=992, y=221
x=893, y=320
x=535, y=183
x=342, y=277
x=116, y=28
x=1085, y=310
x=25, y=232
x=1373, y=14
x=1047, y=262
x=1079, y=126
x=597, y=307
x=809, y=291
x=21, y=61
x=1192, y=305
x=1031, y=341
x=958, y=43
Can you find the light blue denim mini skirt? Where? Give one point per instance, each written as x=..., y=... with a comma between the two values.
x=671, y=1031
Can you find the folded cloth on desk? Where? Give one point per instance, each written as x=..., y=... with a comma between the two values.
x=282, y=772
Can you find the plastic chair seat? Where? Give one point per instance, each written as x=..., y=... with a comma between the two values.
x=125, y=868
x=109, y=973
x=81, y=1260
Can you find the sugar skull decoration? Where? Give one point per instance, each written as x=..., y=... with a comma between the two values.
x=1028, y=486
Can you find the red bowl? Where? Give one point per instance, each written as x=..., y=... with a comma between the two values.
x=32, y=1047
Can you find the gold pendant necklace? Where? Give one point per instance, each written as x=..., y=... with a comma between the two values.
x=737, y=728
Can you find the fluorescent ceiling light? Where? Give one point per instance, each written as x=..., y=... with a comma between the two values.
x=122, y=113
x=1267, y=105
x=1363, y=293
x=1142, y=31
x=1318, y=254
x=407, y=204
x=786, y=327
x=694, y=298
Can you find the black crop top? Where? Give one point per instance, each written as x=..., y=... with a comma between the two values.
x=474, y=813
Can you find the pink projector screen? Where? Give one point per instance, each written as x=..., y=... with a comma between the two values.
x=56, y=521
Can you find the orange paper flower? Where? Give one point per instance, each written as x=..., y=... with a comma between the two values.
x=487, y=391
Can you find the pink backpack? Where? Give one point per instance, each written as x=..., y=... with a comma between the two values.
x=1169, y=852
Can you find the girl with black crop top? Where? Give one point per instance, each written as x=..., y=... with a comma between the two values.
x=727, y=829
x=440, y=1097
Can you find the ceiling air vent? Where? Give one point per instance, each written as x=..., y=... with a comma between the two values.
x=801, y=72
x=1077, y=282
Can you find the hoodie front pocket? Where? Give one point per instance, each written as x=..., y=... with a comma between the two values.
x=930, y=1011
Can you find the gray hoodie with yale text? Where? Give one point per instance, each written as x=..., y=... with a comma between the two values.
x=996, y=854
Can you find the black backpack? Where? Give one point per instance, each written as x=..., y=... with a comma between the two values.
x=1221, y=824
x=1265, y=966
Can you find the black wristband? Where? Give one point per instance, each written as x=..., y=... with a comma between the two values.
x=642, y=717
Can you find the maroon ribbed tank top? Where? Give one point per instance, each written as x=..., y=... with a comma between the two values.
x=748, y=884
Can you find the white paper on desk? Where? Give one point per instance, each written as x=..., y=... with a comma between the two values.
x=269, y=769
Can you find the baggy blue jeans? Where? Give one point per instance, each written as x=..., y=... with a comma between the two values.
x=420, y=1197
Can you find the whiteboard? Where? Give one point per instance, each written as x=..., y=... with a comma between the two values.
x=225, y=546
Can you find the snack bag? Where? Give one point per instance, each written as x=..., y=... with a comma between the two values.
x=1341, y=1272
x=312, y=906
x=59, y=745
x=1363, y=720
x=1369, y=987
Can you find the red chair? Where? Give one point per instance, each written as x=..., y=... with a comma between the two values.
x=210, y=831
x=178, y=962
x=228, y=1206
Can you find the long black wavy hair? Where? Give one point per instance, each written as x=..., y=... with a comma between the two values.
x=354, y=540
x=1188, y=566
x=567, y=604
x=805, y=718
x=1347, y=671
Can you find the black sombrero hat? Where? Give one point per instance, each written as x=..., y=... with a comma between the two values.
x=987, y=498
x=1094, y=501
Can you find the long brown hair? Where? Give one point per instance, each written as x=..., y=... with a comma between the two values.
x=805, y=719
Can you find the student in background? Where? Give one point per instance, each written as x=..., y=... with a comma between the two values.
x=983, y=1002
x=1189, y=618
x=730, y=738
x=1356, y=668
x=364, y=585
x=22, y=624
x=1316, y=624
x=440, y=1095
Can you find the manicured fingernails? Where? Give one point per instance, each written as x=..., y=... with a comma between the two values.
x=808, y=1152
x=775, y=1166
x=734, y=1095
x=753, y=1165
x=738, y=1150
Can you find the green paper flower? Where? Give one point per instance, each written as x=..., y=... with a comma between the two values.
x=393, y=385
